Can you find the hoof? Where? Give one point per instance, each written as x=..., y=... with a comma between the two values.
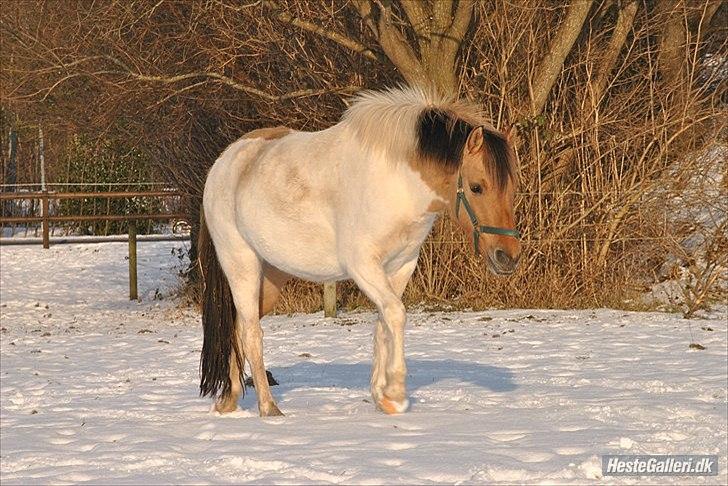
x=271, y=411
x=226, y=406
x=392, y=407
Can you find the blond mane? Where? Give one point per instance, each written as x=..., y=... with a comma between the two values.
x=387, y=120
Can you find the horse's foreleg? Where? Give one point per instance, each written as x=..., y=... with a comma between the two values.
x=389, y=368
x=382, y=341
x=379, y=362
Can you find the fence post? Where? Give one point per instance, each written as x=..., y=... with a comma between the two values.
x=41, y=157
x=44, y=211
x=132, y=261
x=329, y=299
x=8, y=207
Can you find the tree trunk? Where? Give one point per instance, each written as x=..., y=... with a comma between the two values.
x=439, y=29
x=673, y=36
x=619, y=36
x=550, y=66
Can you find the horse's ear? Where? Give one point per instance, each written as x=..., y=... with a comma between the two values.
x=510, y=132
x=474, y=143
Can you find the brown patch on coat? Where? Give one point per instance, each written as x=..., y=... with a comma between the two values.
x=440, y=181
x=270, y=133
x=270, y=288
x=296, y=188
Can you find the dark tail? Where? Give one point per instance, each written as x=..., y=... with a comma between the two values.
x=218, y=321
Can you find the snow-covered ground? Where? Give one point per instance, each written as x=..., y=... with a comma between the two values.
x=98, y=389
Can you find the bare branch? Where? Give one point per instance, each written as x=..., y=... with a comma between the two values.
x=342, y=40
x=441, y=18
x=394, y=44
x=461, y=21
x=672, y=39
x=365, y=10
x=211, y=76
x=456, y=33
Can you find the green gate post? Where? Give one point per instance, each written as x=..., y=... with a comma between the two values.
x=132, y=261
x=330, y=299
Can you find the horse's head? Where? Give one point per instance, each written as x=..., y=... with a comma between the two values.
x=483, y=204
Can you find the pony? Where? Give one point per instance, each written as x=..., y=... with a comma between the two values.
x=354, y=201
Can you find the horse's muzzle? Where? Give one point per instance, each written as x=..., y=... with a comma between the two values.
x=501, y=263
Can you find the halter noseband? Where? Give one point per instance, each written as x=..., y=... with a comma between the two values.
x=477, y=228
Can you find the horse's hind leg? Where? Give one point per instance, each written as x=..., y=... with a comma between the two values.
x=270, y=284
x=253, y=346
x=270, y=290
x=244, y=271
x=229, y=403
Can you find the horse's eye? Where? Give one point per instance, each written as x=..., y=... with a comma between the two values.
x=476, y=188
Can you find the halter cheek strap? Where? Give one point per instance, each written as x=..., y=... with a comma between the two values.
x=477, y=227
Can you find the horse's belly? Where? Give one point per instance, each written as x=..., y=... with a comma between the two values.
x=304, y=248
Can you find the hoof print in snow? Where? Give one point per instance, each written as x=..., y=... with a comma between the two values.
x=696, y=346
x=271, y=381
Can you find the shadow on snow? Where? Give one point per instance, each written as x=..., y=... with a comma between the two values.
x=420, y=374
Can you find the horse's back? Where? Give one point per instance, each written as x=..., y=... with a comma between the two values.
x=281, y=187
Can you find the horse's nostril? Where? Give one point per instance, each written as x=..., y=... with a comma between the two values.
x=502, y=258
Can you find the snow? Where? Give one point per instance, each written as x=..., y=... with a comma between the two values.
x=698, y=202
x=98, y=389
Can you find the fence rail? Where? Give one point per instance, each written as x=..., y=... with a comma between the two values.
x=84, y=195
x=65, y=240
x=45, y=218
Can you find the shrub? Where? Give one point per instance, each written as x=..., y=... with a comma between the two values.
x=106, y=166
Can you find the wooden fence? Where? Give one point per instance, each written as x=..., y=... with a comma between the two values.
x=46, y=219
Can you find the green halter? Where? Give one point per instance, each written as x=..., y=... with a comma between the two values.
x=477, y=228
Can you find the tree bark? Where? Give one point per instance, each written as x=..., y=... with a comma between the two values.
x=439, y=33
x=550, y=66
x=619, y=36
x=673, y=36
x=608, y=61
